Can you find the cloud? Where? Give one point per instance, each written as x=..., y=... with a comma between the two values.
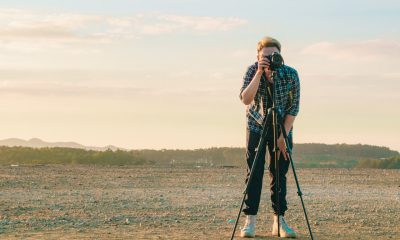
x=160, y=24
x=38, y=30
x=40, y=89
x=202, y=24
x=115, y=88
x=367, y=50
x=18, y=24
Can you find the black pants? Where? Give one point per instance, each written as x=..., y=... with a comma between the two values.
x=252, y=200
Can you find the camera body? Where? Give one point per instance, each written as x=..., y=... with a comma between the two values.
x=275, y=61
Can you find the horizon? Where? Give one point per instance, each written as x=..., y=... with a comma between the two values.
x=166, y=74
x=160, y=149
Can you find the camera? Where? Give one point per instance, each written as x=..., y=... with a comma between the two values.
x=275, y=61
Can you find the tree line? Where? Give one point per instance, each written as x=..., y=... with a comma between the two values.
x=304, y=155
x=391, y=163
x=58, y=155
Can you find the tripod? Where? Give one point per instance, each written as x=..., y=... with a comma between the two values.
x=274, y=113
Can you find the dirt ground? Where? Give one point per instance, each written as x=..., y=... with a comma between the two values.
x=127, y=202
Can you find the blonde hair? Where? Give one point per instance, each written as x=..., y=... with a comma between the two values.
x=268, y=42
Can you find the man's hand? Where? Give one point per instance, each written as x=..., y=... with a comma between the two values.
x=263, y=65
x=282, y=147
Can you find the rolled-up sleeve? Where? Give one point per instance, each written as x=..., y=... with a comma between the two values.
x=248, y=76
x=295, y=91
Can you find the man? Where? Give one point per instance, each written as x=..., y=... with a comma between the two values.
x=254, y=94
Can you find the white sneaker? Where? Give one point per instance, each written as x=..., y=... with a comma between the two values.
x=285, y=230
x=249, y=228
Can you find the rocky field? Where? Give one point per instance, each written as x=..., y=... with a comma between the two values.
x=127, y=202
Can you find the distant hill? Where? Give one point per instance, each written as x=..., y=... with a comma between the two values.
x=309, y=155
x=390, y=163
x=38, y=143
x=339, y=155
x=58, y=155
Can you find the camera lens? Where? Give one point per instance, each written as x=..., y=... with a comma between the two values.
x=276, y=60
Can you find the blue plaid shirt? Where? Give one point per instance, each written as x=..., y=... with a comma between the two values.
x=287, y=96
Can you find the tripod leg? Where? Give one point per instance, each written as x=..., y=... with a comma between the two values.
x=261, y=144
x=276, y=158
x=297, y=182
x=253, y=167
x=238, y=216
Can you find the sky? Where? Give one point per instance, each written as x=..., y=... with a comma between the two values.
x=166, y=74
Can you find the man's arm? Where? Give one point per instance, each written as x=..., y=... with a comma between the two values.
x=288, y=122
x=295, y=92
x=248, y=94
x=294, y=110
x=251, y=83
x=291, y=115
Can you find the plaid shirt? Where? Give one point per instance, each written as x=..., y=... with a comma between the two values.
x=287, y=95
